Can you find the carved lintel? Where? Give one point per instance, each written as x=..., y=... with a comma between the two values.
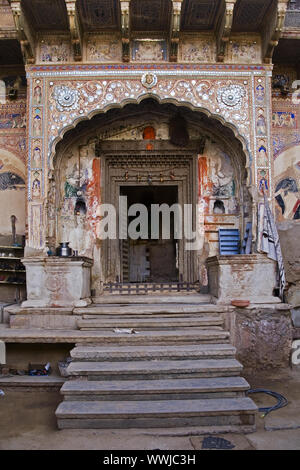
x=125, y=29
x=273, y=35
x=75, y=30
x=175, y=29
x=25, y=35
x=224, y=30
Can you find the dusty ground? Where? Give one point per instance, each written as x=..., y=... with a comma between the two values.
x=28, y=422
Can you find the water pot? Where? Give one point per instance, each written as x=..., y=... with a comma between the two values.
x=64, y=249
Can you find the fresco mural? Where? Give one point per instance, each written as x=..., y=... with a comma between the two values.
x=79, y=181
x=216, y=180
x=53, y=49
x=287, y=184
x=149, y=51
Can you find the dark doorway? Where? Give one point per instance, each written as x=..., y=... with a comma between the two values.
x=152, y=259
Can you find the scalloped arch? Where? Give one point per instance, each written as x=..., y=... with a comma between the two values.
x=245, y=144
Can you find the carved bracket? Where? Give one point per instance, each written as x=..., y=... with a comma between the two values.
x=75, y=30
x=174, y=31
x=25, y=35
x=273, y=33
x=125, y=29
x=224, y=31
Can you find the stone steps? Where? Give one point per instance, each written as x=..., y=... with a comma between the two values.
x=159, y=323
x=176, y=369
x=137, y=353
x=155, y=298
x=166, y=389
x=150, y=309
x=151, y=337
x=224, y=412
x=155, y=369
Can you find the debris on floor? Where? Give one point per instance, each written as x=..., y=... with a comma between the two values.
x=129, y=331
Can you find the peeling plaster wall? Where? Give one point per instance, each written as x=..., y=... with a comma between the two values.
x=286, y=147
x=220, y=180
x=12, y=157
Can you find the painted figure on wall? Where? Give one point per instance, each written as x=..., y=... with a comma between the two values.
x=261, y=124
x=36, y=157
x=54, y=50
x=196, y=50
x=262, y=156
x=37, y=125
x=260, y=93
x=36, y=186
x=216, y=177
x=263, y=184
x=288, y=198
x=37, y=95
x=149, y=51
x=283, y=119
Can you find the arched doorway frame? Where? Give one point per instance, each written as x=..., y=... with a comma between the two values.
x=229, y=95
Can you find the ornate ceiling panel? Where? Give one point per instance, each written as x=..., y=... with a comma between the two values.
x=99, y=15
x=249, y=14
x=45, y=15
x=199, y=15
x=150, y=15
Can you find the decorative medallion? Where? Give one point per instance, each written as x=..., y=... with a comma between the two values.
x=149, y=80
x=231, y=96
x=66, y=98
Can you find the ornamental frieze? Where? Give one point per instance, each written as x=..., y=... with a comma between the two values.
x=71, y=100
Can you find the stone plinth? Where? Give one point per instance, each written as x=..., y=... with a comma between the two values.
x=58, y=282
x=242, y=277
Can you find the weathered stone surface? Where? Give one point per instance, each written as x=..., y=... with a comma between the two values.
x=155, y=369
x=242, y=277
x=262, y=336
x=57, y=282
x=207, y=387
x=166, y=413
x=51, y=322
x=289, y=234
x=139, y=353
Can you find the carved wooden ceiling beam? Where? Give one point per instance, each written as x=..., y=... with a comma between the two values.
x=175, y=29
x=125, y=29
x=224, y=29
x=75, y=29
x=25, y=35
x=273, y=30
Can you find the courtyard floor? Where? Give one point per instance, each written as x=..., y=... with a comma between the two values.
x=28, y=422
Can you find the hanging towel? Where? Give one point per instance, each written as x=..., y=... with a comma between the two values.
x=270, y=243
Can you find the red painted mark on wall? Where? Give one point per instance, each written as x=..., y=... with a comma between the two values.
x=204, y=184
x=93, y=195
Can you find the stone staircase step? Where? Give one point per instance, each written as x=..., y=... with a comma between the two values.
x=150, y=337
x=192, y=388
x=155, y=369
x=158, y=298
x=152, y=323
x=150, y=309
x=148, y=414
x=135, y=353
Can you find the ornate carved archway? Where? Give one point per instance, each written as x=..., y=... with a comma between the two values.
x=62, y=96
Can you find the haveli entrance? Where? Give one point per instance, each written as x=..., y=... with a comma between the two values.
x=112, y=156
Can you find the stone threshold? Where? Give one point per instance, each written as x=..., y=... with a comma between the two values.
x=17, y=381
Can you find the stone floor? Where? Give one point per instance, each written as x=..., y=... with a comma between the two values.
x=28, y=422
